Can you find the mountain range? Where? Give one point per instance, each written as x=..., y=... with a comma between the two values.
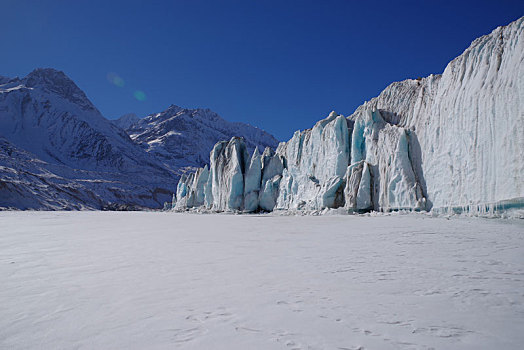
x=57, y=151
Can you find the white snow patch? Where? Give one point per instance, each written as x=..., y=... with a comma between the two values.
x=18, y=87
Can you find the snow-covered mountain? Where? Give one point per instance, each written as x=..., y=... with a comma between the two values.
x=48, y=115
x=66, y=143
x=27, y=182
x=184, y=137
x=450, y=142
x=58, y=152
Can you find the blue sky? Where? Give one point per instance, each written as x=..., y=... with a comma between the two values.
x=279, y=65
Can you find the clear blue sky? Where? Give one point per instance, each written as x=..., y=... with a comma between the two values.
x=280, y=65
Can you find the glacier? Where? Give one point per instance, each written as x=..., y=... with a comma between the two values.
x=466, y=126
x=236, y=180
x=448, y=143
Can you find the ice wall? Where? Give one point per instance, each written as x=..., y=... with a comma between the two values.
x=235, y=181
x=316, y=162
x=357, y=192
x=446, y=142
x=466, y=127
x=190, y=189
x=252, y=181
x=228, y=163
x=385, y=150
x=272, y=168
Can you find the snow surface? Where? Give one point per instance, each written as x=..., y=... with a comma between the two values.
x=153, y=280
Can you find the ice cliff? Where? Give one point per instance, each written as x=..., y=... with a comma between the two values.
x=236, y=180
x=316, y=162
x=466, y=127
x=450, y=142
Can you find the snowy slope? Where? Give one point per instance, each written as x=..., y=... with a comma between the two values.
x=27, y=182
x=47, y=114
x=450, y=142
x=125, y=121
x=46, y=117
x=184, y=137
x=145, y=280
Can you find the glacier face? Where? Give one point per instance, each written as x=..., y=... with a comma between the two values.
x=386, y=152
x=312, y=170
x=316, y=161
x=445, y=142
x=468, y=123
x=236, y=180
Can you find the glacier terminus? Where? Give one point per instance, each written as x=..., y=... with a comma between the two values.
x=451, y=142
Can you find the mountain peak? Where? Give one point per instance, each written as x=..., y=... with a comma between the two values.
x=126, y=120
x=203, y=112
x=183, y=137
x=47, y=76
x=48, y=71
x=56, y=81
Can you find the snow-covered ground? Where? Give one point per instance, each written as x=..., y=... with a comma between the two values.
x=144, y=280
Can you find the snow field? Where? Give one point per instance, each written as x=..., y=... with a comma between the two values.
x=151, y=280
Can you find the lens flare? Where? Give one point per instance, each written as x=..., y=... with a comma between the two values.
x=115, y=79
x=140, y=95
